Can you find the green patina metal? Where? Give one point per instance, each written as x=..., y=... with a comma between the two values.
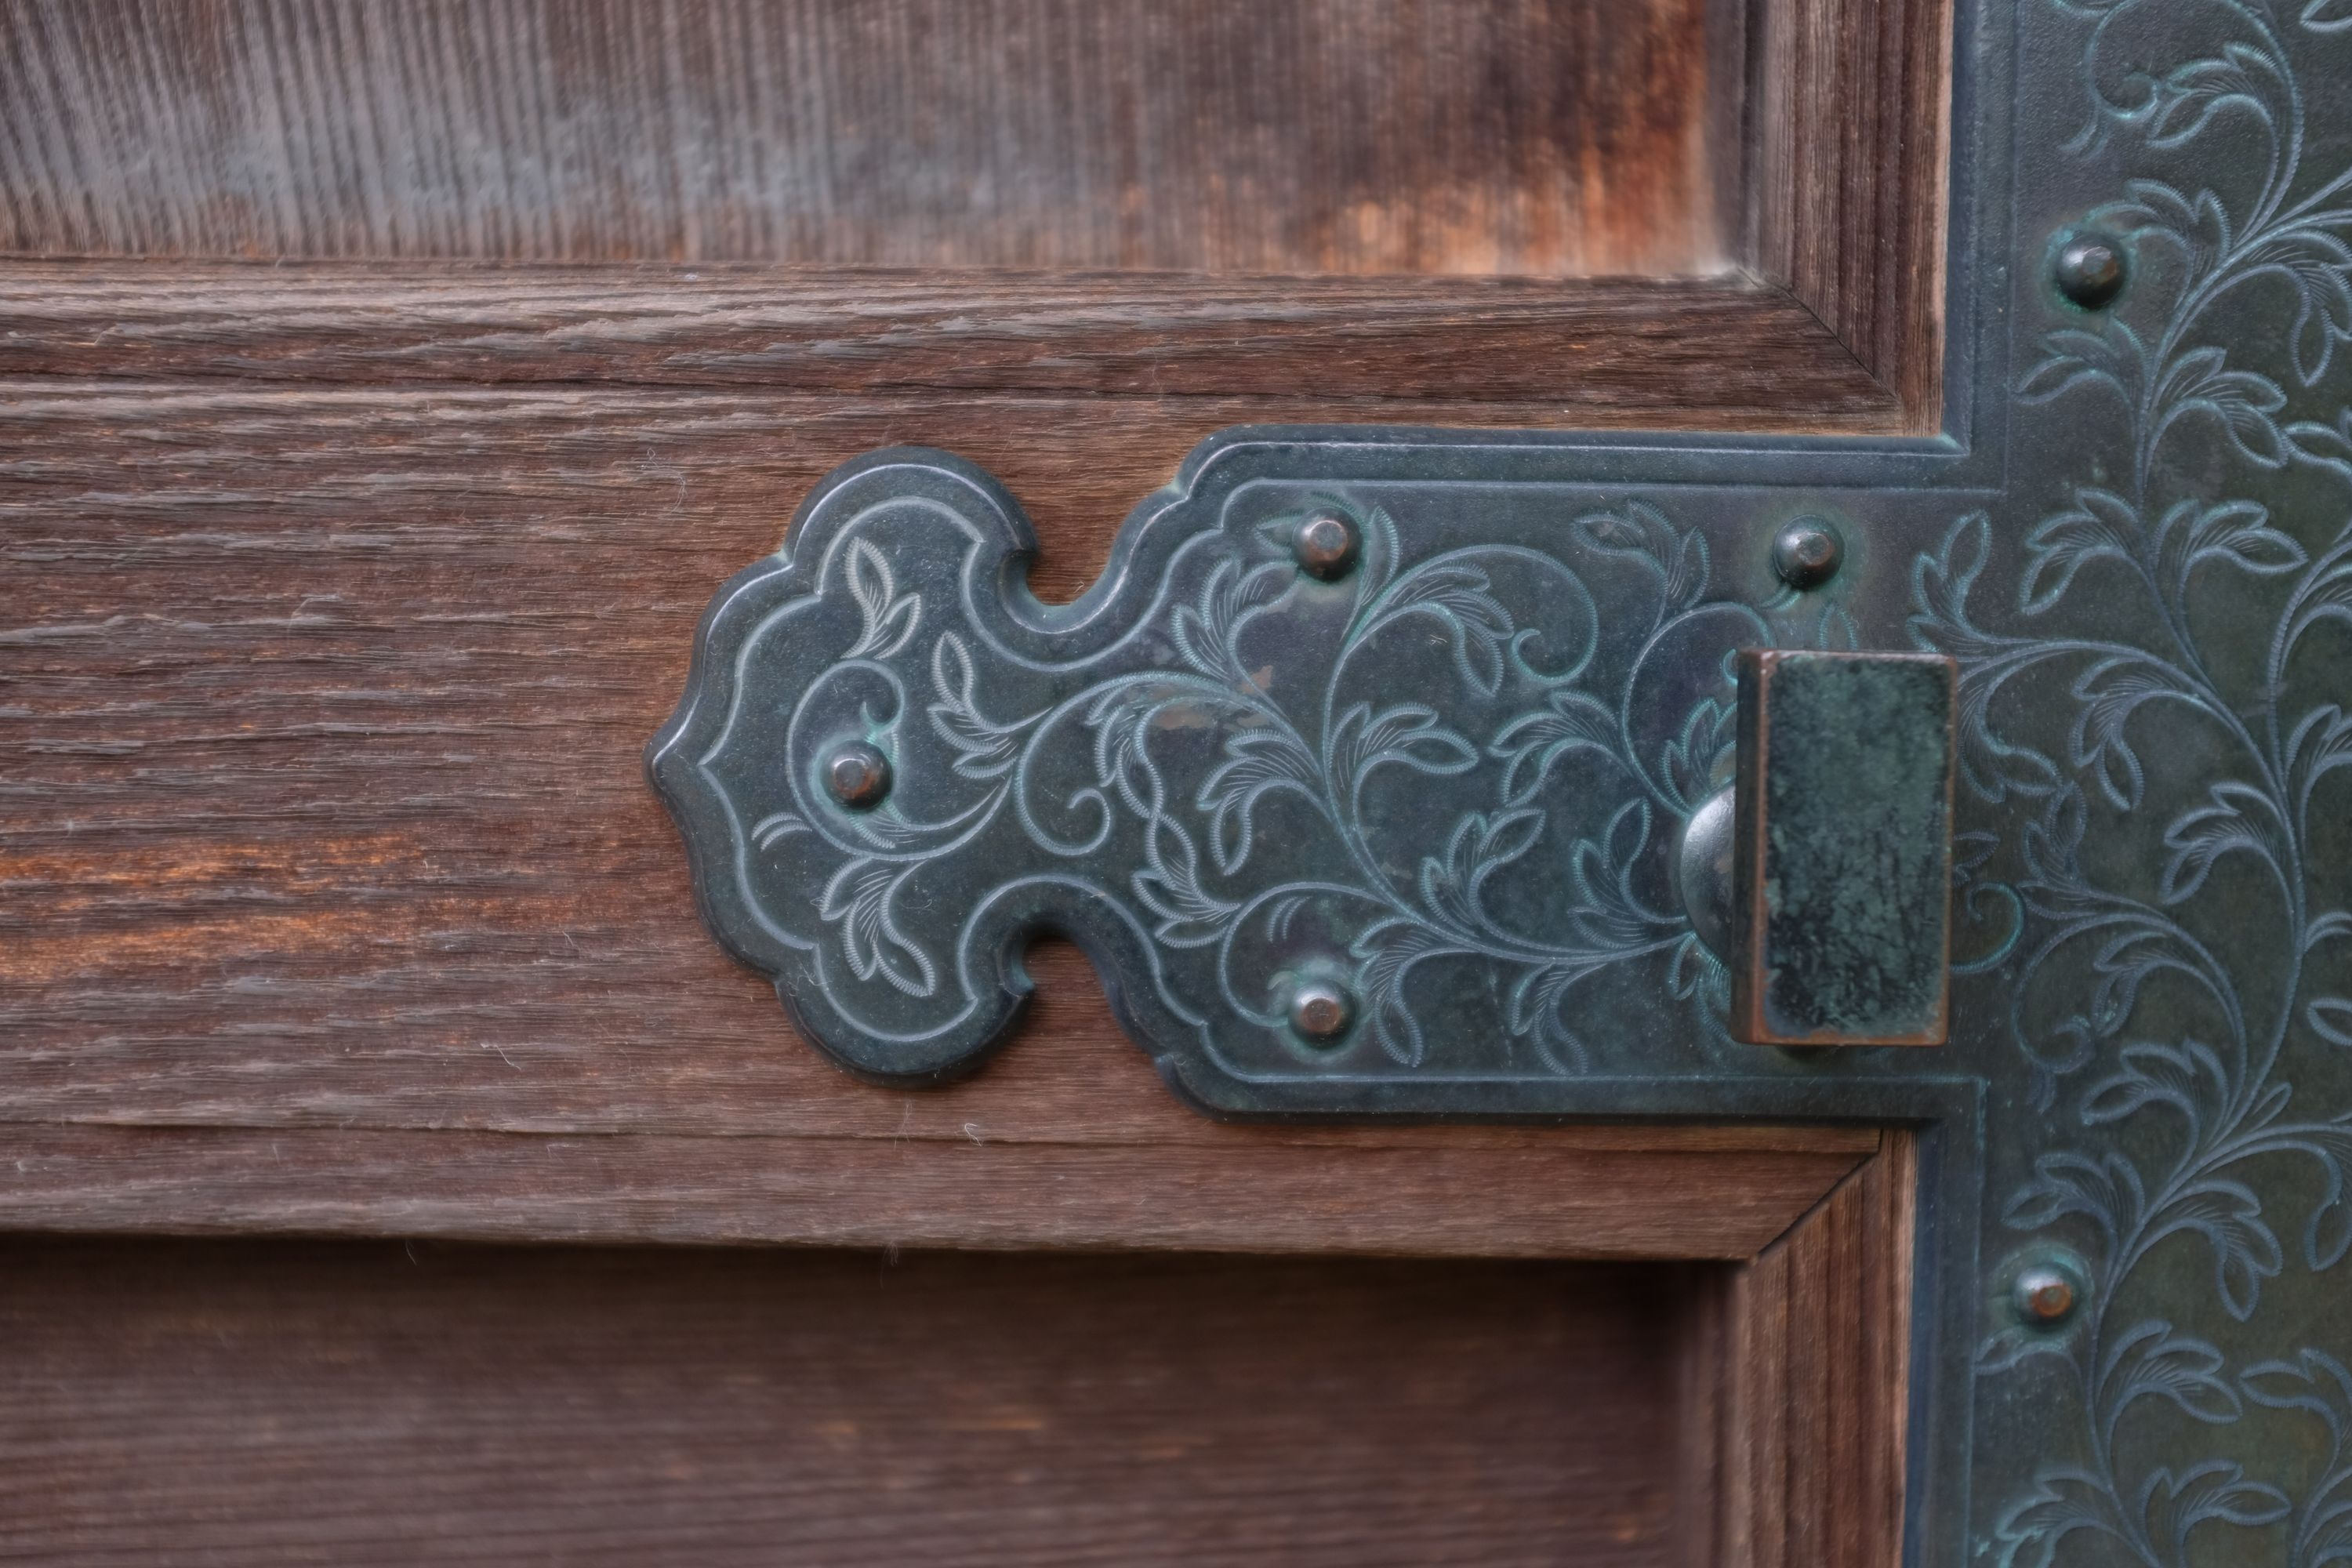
x=1852, y=859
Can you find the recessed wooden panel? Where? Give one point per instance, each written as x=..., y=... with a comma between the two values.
x=256, y=1404
x=1728, y=355
x=1544, y=137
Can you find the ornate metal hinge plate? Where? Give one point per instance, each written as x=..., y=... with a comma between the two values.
x=1373, y=787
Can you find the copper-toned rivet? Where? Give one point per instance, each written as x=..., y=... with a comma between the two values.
x=1326, y=545
x=1808, y=553
x=2090, y=270
x=858, y=775
x=1319, y=1012
x=2045, y=1295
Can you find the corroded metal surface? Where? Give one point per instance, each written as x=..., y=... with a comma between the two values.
x=1843, y=849
x=1444, y=782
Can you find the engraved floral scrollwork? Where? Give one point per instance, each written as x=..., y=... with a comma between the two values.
x=2173, y=778
x=1444, y=779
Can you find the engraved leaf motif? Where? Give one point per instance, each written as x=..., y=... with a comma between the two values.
x=2229, y=1217
x=2321, y=744
x=1688, y=761
x=2330, y=1019
x=2237, y=818
x=1606, y=911
x=2200, y=226
x=2060, y=1504
x=2242, y=400
x=777, y=826
x=2327, y=15
x=2215, y=1492
x=2176, y=1075
x=2314, y=1381
x=1205, y=636
x=2110, y=692
x=889, y=617
x=2013, y=1346
x=1480, y=846
x=2333, y=925
x=1532, y=742
x=2100, y=525
x=2191, y=94
x=1535, y=1012
x=2328, y=1234
x=1389, y=949
x=1408, y=735
x=2235, y=533
x=2150, y=1360
x=2071, y=356
x=2325, y=595
x=2328, y=446
x=2106, y=1191
x=1170, y=887
x=986, y=748
x=1259, y=762
x=2318, y=266
x=1940, y=584
x=857, y=900
x=1458, y=596
x=1678, y=559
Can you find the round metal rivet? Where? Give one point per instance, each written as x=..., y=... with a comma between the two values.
x=2090, y=270
x=1808, y=553
x=858, y=775
x=2045, y=1295
x=1319, y=1012
x=1326, y=545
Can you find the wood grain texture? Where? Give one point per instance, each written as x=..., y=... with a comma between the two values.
x=259, y=1404
x=322, y=809
x=1815, y=1406
x=1724, y=355
x=1539, y=137
x=1849, y=177
x=1639, y=1192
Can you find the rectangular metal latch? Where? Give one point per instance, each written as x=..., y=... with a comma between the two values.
x=1843, y=861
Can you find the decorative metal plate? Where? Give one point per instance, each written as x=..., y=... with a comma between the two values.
x=1448, y=780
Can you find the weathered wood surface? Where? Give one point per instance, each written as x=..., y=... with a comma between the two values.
x=1544, y=137
x=1723, y=355
x=376, y=1404
x=1849, y=170
x=1816, y=1394
x=320, y=808
x=1443, y=1192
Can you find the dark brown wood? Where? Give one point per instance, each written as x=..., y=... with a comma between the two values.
x=1851, y=152
x=1664, y=1192
x=323, y=714
x=1725, y=354
x=1815, y=1402
x=376, y=1404
x=1539, y=137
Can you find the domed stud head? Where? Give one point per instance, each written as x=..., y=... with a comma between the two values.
x=2090, y=270
x=857, y=775
x=1807, y=554
x=2045, y=1295
x=1326, y=545
x=1319, y=1011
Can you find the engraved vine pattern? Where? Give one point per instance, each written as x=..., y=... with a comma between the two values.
x=1380, y=911
x=2163, y=993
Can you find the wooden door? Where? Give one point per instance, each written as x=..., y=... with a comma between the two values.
x=399, y=1172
